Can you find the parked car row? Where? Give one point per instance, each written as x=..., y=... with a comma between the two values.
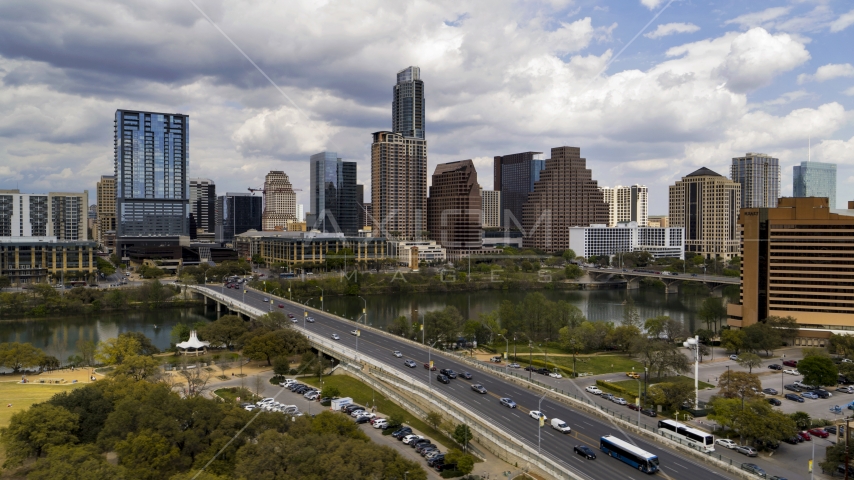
x=307, y=391
x=270, y=405
x=424, y=447
x=593, y=389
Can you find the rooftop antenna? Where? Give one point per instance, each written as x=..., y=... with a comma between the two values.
x=809, y=148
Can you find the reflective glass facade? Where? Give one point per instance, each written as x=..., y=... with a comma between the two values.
x=408, y=106
x=515, y=176
x=815, y=179
x=151, y=164
x=236, y=213
x=334, y=206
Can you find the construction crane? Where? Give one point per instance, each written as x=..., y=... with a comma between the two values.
x=253, y=190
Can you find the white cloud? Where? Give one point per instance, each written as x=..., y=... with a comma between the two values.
x=758, y=19
x=756, y=57
x=828, y=72
x=651, y=4
x=850, y=91
x=844, y=21
x=787, y=98
x=671, y=29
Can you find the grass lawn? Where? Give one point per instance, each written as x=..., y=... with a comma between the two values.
x=595, y=364
x=230, y=394
x=632, y=385
x=363, y=394
x=22, y=396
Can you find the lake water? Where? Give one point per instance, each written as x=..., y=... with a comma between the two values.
x=58, y=336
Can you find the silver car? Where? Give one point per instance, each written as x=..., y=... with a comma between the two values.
x=746, y=450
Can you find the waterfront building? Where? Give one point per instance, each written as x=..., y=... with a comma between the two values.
x=454, y=206
x=203, y=204
x=599, y=240
x=106, y=193
x=62, y=215
x=299, y=248
x=236, y=213
x=408, y=105
x=332, y=191
x=514, y=176
x=280, y=201
x=491, y=206
x=815, y=179
x=427, y=250
x=41, y=259
x=398, y=185
x=759, y=177
x=627, y=204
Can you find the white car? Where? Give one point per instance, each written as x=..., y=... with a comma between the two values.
x=397, y=354
x=335, y=336
x=538, y=414
x=356, y=413
x=354, y=332
x=287, y=383
x=727, y=443
x=367, y=415
x=381, y=423
x=791, y=371
x=594, y=390
x=514, y=365
x=265, y=401
x=310, y=319
x=555, y=375
x=411, y=438
x=619, y=400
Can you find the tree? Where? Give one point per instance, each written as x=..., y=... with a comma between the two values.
x=114, y=350
x=711, y=312
x=105, y=267
x=148, y=455
x=733, y=340
x=761, y=336
x=138, y=367
x=754, y=419
x=655, y=326
x=787, y=326
x=48, y=362
x=145, y=345
x=445, y=324
x=818, y=371
x=86, y=349
x=330, y=391
x=462, y=434
x=31, y=431
x=631, y=315
x=834, y=455
x=196, y=380
x=275, y=344
x=400, y=326
x=463, y=461
x=624, y=335
x=671, y=395
x=225, y=331
x=568, y=255
x=572, y=340
x=740, y=385
x=842, y=344
x=18, y=356
x=72, y=462
x=573, y=271
x=434, y=419
x=5, y=282
x=749, y=361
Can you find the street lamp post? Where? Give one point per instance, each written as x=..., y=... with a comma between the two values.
x=506, y=353
x=305, y=312
x=321, y=299
x=430, y=365
x=639, y=400
x=539, y=421
x=364, y=311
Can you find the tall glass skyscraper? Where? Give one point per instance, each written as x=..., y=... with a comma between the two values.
x=151, y=165
x=332, y=184
x=759, y=176
x=815, y=179
x=408, y=104
x=514, y=176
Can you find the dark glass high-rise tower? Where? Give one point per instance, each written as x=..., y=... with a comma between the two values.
x=236, y=213
x=408, y=104
x=514, y=176
x=151, y=165
x=334, y=205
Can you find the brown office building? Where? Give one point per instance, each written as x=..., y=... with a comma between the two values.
x=706, y=205
x=454, y=206
x=565, y=196
x=398, y=185
x=106, y=211
x=797, y=260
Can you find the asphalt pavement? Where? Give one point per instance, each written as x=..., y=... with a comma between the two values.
x=586, y=429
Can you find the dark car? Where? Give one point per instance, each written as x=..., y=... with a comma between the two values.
x=478, y=388
x=822, y=393
x=445, y=466
x=634, y=406
x=775, y=366
x=530, y=368
x=466, y=375
x=543, y=371
x=443, y=378
x=585, y=451
x=841, y=469
x=770, y=391
x=775, y=402
x=790, y=363
x=792, y=440
x=427, y=365
x=361, y=420
x=423, y=446
x=753, y=468
x=448, y=372
x=348, y=409
x=649, y=412
x=402, y=432
x=766, y=444
x=793, y=388
x=438, y=459
x=423, y=441
x=794, y=397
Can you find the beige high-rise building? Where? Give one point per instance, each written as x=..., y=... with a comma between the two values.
x=106, y=192
x=280, y=202
x=627, y=204
x=491, y=206
x=658, y=221
x=68, y=215
x=398, y=185
x=565, y=196
x=706, y=205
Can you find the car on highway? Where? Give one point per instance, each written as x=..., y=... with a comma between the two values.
x=754, y=469
x=555, y=375
x=593, y=389
x=769, y=391
x=791, y=371
x=560, y=425
x=443, y=378
x=354, y=332
x=649, y=412
x=514, y=365
x=335, y=336
x=466, y=375
x=790, y=363
x=478, y=388
x=310, y=319
x=543, y=371
x=619, y=400
x=810, y=395
x=266, y=299
x=775, y=366
x=432, y=369
x=507, y=402
x=746, y=450
x=726, y=443
x=410, y=363
x=450, y=373
x=818, y=432
x=794, y=397
x=397, y=354
x=290, y=315
x=281, y=305
x=585, y=452
x=537, y=415
x=775, y=402
x=294, y=320
x=634, y=375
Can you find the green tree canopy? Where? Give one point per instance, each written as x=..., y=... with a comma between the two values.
x=749, y=361
x=275, y=344
x=818, y=371
x=18, y=356
x=31, y=431
x=70, y=462
x=225, y=331
x=671, y=395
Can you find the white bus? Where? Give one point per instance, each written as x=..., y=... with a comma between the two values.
x=629, y=454
x=698, y=439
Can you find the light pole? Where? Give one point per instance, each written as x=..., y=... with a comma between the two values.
x=640, y=405
x=305, y=312
x=364, y=311
x=321, y=299
x=430, y=365
x=540, y=422
x=506, y=353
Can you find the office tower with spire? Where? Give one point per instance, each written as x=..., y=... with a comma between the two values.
x=815, y=179
x=759, y=177
x=280, y=201
x=399, y=163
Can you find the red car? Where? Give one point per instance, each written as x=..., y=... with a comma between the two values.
x=427, y=365
x=818, y=432
x=290, y=315
x=281, y=305
x=634, y=406
x=790, y=363
x=805, y=436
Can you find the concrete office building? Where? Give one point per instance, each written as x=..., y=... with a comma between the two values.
x=106, y=192
x=796, y=261
x=362, y=207
x=706, y=205
x=658, y=221
x=152, y=159
x=61, y=215
x=565, y=196
x=815, y=179
x=296, y=248
x=759, y=177
x=408, y=105
x=300, y=212
x=27, y=259
x=236, y=213
x=491, y=207
x=398, y=186
x=428, y=251
x=280, y=201
x=599, y=240
x=332, y=192
x=514, y=176
x=454, y=206
x=627, y=204
x=203, y=204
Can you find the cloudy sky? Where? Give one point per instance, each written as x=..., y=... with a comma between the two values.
x=649, y=89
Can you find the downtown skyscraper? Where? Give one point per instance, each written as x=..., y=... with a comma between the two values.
x=399, y=164
x=203, y=205
x=514, y=176
x=815, y=179
x=334, y=206
x=759, y=177
x=151, y=165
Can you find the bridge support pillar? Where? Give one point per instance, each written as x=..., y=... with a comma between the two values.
x=632, y=283
x=671, y=286
x=717, y=290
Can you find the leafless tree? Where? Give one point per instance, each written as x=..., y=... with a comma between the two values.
x=258, y=385
x=196, y=380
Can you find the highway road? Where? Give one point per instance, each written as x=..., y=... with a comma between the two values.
x=586, y=429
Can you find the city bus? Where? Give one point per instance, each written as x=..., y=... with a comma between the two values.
x=698, y=439
x=628, y=453
x=287, y=275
